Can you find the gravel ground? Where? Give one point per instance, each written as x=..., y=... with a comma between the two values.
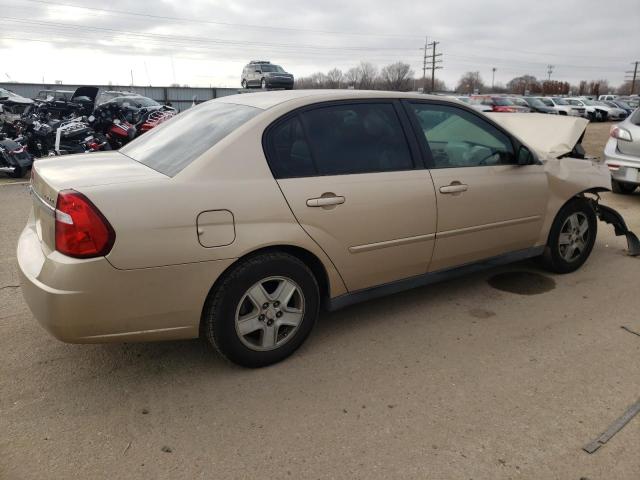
x=461, y=380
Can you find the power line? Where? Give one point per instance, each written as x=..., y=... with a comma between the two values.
x=215, y=22
x=293, y=29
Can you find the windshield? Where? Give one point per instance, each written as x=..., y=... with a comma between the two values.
x=547, y=101
x=590, y=103
x=534, y=102
x=136, y=101
x=560, y=101
x=272, y=68
x=520, y=101
x=176, y=143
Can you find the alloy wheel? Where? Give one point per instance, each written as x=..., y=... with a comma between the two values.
x=269, y=313
x=574, y=236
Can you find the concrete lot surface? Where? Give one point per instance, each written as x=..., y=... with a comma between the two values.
x=461, y=380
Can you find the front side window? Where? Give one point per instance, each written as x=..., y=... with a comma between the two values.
x=458, y=138
x=176, y=143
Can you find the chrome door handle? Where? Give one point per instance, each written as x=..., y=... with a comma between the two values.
x=325, y=201
x=454, y=187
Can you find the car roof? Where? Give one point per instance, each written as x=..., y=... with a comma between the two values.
x=265, y=100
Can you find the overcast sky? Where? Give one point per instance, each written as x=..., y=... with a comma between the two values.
x=204, y=43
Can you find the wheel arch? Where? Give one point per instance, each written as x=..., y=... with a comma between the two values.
x=305, y=256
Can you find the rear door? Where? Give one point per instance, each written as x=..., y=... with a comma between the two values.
x=487, y=204
x=350, y=174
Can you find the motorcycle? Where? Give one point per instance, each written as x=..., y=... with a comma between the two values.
x=14, y=158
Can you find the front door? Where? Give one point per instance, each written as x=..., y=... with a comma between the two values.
x=487, y=204
x=352, y=180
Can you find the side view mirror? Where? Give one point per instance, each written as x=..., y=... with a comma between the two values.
x=258, y=71
x=524, y=156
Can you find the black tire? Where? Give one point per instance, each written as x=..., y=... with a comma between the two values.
x=223, y=302
x=623, y=188
x=562, y=113
x=19, y=172
x=263, y=84
x=244, y=84
x=552, y=258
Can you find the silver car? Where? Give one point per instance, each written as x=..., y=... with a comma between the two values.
x=622, y=154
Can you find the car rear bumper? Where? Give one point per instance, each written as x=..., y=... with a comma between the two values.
x=624, y=168
x=90, y=301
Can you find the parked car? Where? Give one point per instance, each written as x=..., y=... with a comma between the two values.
x=536, y=105
x=622, y=154
x=621, y=104
x=239, y=218
x=477, y=105
x=607, y=97
x=598, y=111
x=499, y=104
x=263, y=74
x=521, y=102
x=561, y=106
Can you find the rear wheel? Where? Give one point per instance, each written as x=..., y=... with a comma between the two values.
x=263, y=309
x=623, y=188
x=244, y=84
x=571, y=238
x=263, y=84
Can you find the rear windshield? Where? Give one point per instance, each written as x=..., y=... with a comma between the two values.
x=176, y=143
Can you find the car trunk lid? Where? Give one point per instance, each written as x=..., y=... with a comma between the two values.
x=78, y=172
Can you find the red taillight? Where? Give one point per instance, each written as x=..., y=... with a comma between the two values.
x=502, y=108
x=81, y=230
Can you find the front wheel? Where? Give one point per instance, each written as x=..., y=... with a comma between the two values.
x=244, y=84
x=571, y=238
x=623, y=188
x=262, y=310
x=263, y=84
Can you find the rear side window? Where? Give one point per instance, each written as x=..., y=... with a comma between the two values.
x=173, y=145
x=339, y=140
x=290, y=155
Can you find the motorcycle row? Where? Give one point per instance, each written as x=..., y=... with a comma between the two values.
x=31, y=129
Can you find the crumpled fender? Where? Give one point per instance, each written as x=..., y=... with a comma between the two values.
x=612, y=217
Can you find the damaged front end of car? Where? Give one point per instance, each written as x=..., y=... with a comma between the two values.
x=557, y=142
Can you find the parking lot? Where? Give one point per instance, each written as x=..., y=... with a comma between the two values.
x=474, y=378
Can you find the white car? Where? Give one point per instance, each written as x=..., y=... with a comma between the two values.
x=561, y=106
x=598, y=111
x=607, y=97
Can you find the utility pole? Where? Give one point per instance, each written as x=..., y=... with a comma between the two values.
x=632, y=75
x=550, y=71
x=425, y=49
x=493, y=77
x=435, y=60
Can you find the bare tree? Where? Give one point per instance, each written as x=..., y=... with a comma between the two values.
x=334, y=78
x=470, y=82
x=352, y=77
x=368, y=74
x=524, y=83
x=396, y=76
